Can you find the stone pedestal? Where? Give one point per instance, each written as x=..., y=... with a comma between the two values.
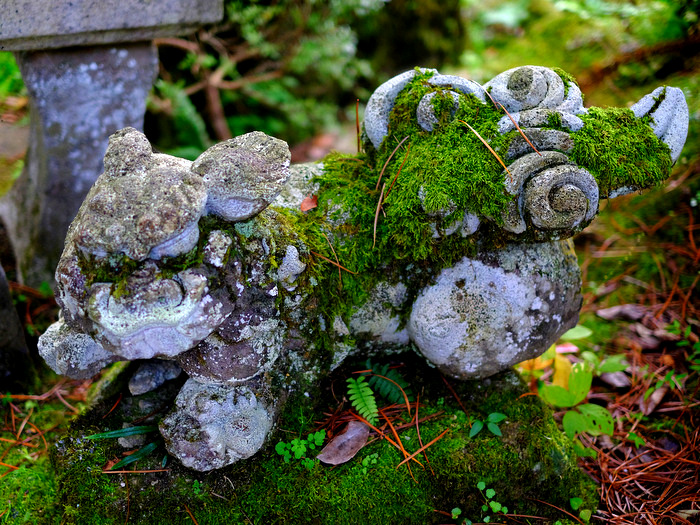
x=88, y=68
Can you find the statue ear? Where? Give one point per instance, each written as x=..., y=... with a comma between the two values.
x=128, y=151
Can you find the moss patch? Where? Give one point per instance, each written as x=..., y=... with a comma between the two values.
x=620, y=150
x=265, y=489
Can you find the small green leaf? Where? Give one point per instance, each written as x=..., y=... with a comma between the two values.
x=495, y=506
x=598, y=419
x=637, y=440
x=456, y=512
x=281, y=448
x=575, y=503
x=487, y=519
x=504, y=510
x=139, y=454
x=577, y=332
x=585, y=515
x=580, y=381
x=481, y=485
x=476, y=428
x=123, y=432
x=556, y=396
x=484, y=508
x=574, y=423
x=490, y=493
x=496, y=417
x=494, y=429
x=613, y=363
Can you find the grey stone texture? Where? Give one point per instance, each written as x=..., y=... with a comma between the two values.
x=214, y=426
x=151, y=374
x=15, y=365
x=485, y=314
x=244, y=174
x=667, y=107
x=241, y=313
x=32, y=25
x=78, y=98
x=527, y=87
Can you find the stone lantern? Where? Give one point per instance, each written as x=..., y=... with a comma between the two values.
x=88, y=67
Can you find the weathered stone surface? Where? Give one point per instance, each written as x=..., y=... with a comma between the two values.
x=151, y=374
x=156, y=317
x=669, y=111
x=71, y=353
x=488, y=313
x=78, y=98
x=251, y=313
x=243, y=175
x=214, y=426
x=527, y=87
x=27, y=24
x=144, y=204
x=15, y=364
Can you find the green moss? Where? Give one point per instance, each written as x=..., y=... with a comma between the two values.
x=265, y=489
x=567, y=78
x=620, y=150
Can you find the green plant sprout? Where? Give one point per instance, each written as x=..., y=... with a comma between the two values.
x=671, y=379
x=582, y=418
x=694, y=350
x=584, y=514
x=362, y=398
x=368, y=461
x=388, y=383
x=490, y=505
x=299, y=448
x=492, y=421
x=141, y=453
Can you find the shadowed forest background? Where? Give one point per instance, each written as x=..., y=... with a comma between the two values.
x=297, y=69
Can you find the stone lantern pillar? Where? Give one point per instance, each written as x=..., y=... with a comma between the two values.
x=88, y=67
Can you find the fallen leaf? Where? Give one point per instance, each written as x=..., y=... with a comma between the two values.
x=627, y=312
x=648, y=406
x=309, y=203
x=343, y=447
x=616, y=379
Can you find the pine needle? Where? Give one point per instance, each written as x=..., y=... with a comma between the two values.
x=490, y=148
x=389, y=160
x=340, y=275
x=376, y=216
x=513, y=121
x=423, y=448
x=408, y=404
x=332, y=262
x=408, y=149
x=191, y=515
x=357, y=123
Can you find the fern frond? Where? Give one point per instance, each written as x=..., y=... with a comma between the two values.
x=362, y=399
x=388, y=390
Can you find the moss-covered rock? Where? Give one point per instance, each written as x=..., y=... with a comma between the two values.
x=531, y=461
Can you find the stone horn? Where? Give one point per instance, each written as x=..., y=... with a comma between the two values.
x=669, y=116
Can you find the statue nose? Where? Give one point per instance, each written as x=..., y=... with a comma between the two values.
x=669, y=112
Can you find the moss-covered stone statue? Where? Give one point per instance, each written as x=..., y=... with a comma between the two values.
x=424, y=240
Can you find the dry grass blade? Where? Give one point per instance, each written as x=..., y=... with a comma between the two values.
x=386, y=163
x=403, y=450
x=489, y=148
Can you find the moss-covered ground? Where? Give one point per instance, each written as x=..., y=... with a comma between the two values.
x=368, y=488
